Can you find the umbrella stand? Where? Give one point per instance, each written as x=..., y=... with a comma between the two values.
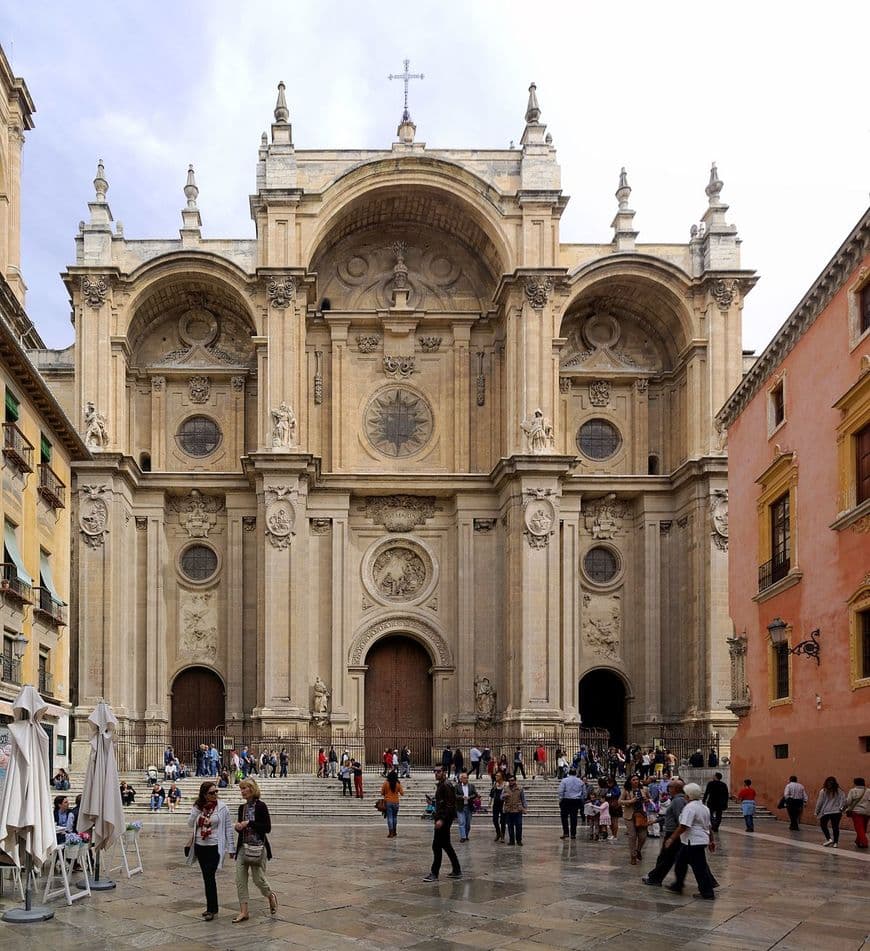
x=29, y=913
x=99, y=884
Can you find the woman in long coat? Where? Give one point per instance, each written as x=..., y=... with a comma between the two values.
x=211, y=841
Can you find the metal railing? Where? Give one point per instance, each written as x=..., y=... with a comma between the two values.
x=50, y=486
x=49, y=606
x=45, y=683
x=10, y=669
x=12, y=585
x=772, y=571
x=17, y=448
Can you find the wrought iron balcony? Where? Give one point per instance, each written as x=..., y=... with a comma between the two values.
x=46, y=683
x=10, y=669
x=17, y=449
x=49, y=607
x=12, y=586
x=772, y=571
x=50, y=486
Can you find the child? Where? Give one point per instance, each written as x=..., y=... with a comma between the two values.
x=590, y=811
x=602, y=807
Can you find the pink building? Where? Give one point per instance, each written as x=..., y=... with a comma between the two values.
x=799, y=573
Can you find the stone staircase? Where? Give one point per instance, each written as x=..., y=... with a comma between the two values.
x=300, y=797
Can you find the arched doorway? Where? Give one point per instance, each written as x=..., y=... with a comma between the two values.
x=602, y=703
x=198, y=707
x=398, y=694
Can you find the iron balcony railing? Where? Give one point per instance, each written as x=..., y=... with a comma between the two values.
x=12, y=585
x=10, y=669
x=17, y=448
x=46, y=683
x=49, y=606
x=772, y=571
x=50, y=486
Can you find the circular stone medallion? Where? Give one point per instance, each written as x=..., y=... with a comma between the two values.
x=398, y=421
x=399, y=570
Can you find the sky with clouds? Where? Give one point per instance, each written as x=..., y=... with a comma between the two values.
x=775, y=94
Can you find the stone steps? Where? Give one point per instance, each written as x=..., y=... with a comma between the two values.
x=306, y=797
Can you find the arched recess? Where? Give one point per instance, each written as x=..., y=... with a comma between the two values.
x=417, y=628
x=198, y=710
x=603, y=702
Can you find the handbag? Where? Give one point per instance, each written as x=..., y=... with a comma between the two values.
x=381, y=805
x=188, y=846
x=254, y=854
x=640, y=820
x=781, y=803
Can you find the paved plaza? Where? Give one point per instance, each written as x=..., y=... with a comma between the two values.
x=351, y=887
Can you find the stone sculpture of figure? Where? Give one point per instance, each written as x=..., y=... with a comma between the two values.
x=321, y=697
x=96, y=434
x=283, y=426
x=539, y=432
x=484, y=699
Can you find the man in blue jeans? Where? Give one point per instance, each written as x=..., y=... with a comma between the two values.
x=466, y=793
x=158, y=797
x=445, y=813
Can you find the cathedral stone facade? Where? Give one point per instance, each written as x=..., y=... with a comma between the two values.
x=403, y=460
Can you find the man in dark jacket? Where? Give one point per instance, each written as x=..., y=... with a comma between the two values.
x=668, y=854
x=716, y=800
x=445, y=813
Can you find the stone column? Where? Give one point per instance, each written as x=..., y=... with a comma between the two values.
x=461, y=394
x=465, y=661
x=342, y=631
x=235, y=647
x=158, y=423
x=572, y=632
x=338, y=329
x=156, y=687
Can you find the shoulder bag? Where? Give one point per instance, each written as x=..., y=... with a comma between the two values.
x=381, y=804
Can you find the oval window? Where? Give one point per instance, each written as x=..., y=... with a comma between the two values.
x=600, y=565
x=198, y=436
x=199, y=562
x=598, y=439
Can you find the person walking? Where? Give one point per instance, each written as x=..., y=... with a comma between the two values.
x=283, y=760
x=514, y=807
x=716, y=800
x=474, y=759
x=447, y=760
x=746, y=798
x=857, y=808
x=696, y=835
x=830, y=803
x=405, y=762
x=391, y=791
x=572, y=792
x=518, y=762
x=466, y=793
x=496, y=794
x=612, y=795
x=540, y=760
x=633, y=801
x=211, y=841
x=357, y=771
x=252, y=848
x=795, y=797
x=332, y=758
x=445, y=813
x=458, y=763
x=670, y=848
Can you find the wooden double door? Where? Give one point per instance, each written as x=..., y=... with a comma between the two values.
x=398, y=694
x=198, y=709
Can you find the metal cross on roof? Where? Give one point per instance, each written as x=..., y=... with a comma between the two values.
x=406, y=76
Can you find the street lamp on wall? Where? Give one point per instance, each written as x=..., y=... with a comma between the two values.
x=778, y=631
x=19, y=645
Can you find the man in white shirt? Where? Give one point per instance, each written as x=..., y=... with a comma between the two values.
x=474, y=756
x=795, y=797
x=695, y=832
x=466, y=793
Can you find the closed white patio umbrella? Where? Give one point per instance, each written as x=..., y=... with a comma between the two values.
x=27, y=832
x=101, y=811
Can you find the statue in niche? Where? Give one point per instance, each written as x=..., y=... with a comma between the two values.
x=321, y=698
x=484, y=699
x=539, y=432
x=96, y=433
x=283, y=427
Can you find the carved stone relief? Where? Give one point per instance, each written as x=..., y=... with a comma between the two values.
x=565, y=385
x=539, y=517
x=399, y=513
x=399, y=570
x=604, y=517
x=724, y=293
x=398, y=422
x=280, y=516
x=423, y=631
x=430, y=344
x=719, y=518
x=484, y=525
x=481, y=379
x=249, y=523
x=93, y=514
x=94, y=291
x=604, y=344
x=281, y=291
x=238, y=383
x=196, y=512
x=602, y=624
x=198, y=387
x=318, y=377
x=320, y=526
x=599, y=392
x=198, y=623
x=740, y=698
x=398, y=367
x=537, y=290
x=367, y=343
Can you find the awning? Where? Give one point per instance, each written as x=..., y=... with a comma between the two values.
x=12, y=547
x=45, y=576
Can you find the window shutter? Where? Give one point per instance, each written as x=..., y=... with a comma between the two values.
x=44, y=449
x=12, y=407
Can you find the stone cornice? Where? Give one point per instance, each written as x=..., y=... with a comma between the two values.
x=814, y=302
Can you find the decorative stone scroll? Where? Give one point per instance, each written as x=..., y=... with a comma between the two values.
x=604, y=516
x=399, y=513
x=198, y=624
x=724, y=293
x=93, y=515
x=538, y=291
x=196, y=512
x=539, y=517
x=430, y=344
x=94, y=291
x=599, y=393
x=719, y=518
x=367, y=343
x=565, y=385
x=280, y=516
x=416, y=627
x=281, y=291
x=398, y=367
x=602, y=624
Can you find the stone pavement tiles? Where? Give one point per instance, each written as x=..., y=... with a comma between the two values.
x=351, y=887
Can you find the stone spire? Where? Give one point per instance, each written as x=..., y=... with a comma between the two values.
x=191, y=221
x=101, y=186
x=719, y=244
x=624, y=235
x=533, y=110
x=94, y=241
x=535, y=132
x=282, y=130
